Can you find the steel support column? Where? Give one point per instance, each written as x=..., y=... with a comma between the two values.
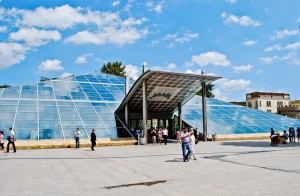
x=204, y=110
x=180, y=116
x=126, y=105
x=145, y=110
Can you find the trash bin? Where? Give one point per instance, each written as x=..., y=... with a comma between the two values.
x=142, y=141
x=214, y=137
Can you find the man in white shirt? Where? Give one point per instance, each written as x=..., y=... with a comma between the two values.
x=11, y=140
x=77, y=138
x=165, y=135
x=185, y=144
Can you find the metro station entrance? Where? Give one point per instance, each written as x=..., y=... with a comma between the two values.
x=155, y=97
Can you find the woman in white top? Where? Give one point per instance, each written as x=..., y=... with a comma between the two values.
x=192, y=141
x=2, y=142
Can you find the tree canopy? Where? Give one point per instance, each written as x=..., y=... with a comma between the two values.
x=115, y=68
x=5, y=86
x=209, y=93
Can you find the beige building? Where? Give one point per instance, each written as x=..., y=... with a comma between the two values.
x=292, y=110
x=267, y=101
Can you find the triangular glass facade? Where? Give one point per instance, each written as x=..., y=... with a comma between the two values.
x=226, y=118
x=54, y=108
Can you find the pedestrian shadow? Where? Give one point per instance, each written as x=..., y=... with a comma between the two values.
x=265, y=144
x=175, y=160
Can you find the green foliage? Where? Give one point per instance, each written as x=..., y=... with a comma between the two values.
x=5, y=86
x=209, y=93
x=115, y=68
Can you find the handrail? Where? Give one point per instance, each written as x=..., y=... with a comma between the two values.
x=124, y=125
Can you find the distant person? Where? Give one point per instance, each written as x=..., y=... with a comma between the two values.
x=290, y=134
x=192, y=141
x=196, y=135
x=93, y=139
x=11, y=140
x=185, y=144
x=285, y=135
x=293, y=135
x=274, y=138
x=153, y=135
x=2, y=142
x=77, y=138
x=159, y=136
x=165, y=135
x=177, y=137
x=298, y=134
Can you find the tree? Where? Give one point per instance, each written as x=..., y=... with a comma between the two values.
x=209, y=93
x=5, y=86
x=115, y=68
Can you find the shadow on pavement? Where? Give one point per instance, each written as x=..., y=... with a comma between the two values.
x=258, y=144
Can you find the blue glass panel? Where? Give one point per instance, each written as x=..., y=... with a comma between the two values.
x=12, y=92
x=29, y=91
x=26, y=134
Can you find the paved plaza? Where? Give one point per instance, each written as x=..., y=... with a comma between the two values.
x=222, y=168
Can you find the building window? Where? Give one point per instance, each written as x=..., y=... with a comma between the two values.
x=256, y=105
x=268, y=103
x=249, y=104
x=268, y=110
x=259, y=103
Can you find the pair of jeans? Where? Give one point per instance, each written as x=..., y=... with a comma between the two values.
x=186, y=146
x=13, y=144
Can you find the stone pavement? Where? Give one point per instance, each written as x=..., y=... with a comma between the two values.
x=223, y=168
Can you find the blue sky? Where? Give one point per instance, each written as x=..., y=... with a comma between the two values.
x=254, y=45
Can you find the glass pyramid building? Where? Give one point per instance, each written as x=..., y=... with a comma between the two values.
x=226, y=118
x=54, y=108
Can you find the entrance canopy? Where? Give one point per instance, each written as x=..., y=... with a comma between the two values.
x=164, y=91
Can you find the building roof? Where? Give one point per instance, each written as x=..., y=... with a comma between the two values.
x=164, y=90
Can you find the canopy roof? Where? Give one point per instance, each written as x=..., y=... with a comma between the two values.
x=164, y=91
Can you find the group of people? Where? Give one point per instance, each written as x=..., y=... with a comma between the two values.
x=158, y=135
x=77, y=138
x=11, y=140
x=291, y=136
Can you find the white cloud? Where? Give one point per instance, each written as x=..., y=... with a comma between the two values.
x=231, y=1
x=172, y=66
x=83, y=58
x=224, y=87
x=64, y=75
x=239, y=20
x=3, y=29
x=283, y=33
x=11, y=53
x=187, y=36
x=249, y=43
x=50, y=65
x=35, y=37
x=243, y=67
x=292, y=58
x=268, y=60
x=274, y=47
x=111, y=35
x=115, y=3
x=213, y=58
x=294, y=46
x=158, y=8
x=198, y=72
x=132, y=71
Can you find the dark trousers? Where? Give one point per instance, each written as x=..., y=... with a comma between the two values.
x=77, y=142
x=93, y=144
x=13, y=144
x=2, y=145
x=165, y=139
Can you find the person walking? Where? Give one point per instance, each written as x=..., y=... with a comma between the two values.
x=165, y=135
x=77, y=138
x=293, y=134
x=2, y=142
x=196, y=135
x=11, y=140
x=159, y=136
x=153, y=135
x=192, y=141
x=177, y=136
x=298, y=134
x=93, y=139
x=185, y=144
